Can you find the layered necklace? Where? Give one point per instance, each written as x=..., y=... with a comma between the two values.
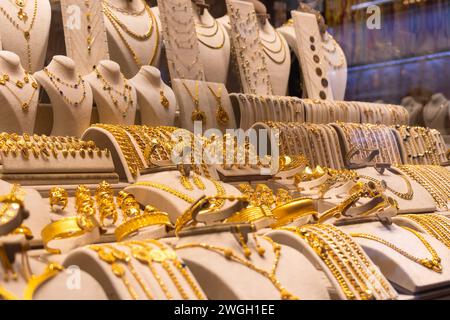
x=332, y=51
x=203, y=34
x=121, y=28
x=272, y=53
x=125, y=94
x=23, y=17
x=28, y=80
x=56, y=81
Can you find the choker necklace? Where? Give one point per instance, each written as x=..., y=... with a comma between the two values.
x=5, y=80
x=26, y=32
x=55, y=80
x=125, y=94
x=197, y=114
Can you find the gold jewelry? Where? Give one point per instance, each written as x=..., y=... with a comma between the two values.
x=214, y=47
x=51, y=271
x=167, y=189
x=198, y=182
x=58, y=197
x=163, y=99
x=433, y=264
x=197, y=114
x=55, y=80
x=222, y=116
x=408, y=195
x=250, y=215
x=126, y=11
x=186, y=183
x=229, y=254
x=268, y=51
x=26, y=32
x=435, y=225
x=294, y=210
x=125, y=94
x=28, y=79
x=128, y=204
x=105, y=202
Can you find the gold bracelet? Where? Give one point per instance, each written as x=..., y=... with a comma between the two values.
x=294, y=210
x=136, y=223
x=251, y=214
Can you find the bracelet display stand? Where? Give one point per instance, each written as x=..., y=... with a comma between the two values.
x=225, y=279
x=407, y=276
x=19, y=98
x=85, y=37
x=30, y=39
x=71, y=97
x=180, y=40
x=213, y=43
x=156, y=100
x=134, y=35
x=116, y=100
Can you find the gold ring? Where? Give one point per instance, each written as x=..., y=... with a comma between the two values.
x=58, y=198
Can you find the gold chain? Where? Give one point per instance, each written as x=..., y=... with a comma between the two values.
x=434, y=224
x=55, y=80
x=197, y=113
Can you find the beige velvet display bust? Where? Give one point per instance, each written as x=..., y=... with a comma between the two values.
x=112, y=86
x=70, y=95
x=436, y=113
x=27, y=36
x=18, y=104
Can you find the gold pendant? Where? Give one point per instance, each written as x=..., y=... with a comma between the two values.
x=25, y=106
x=164, y=101
x=222, y=116
x=22, y=15
x=198, y=115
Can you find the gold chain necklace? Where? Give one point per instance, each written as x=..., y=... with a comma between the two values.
x=28, y=79
x=26, y=32
x=197, y=114
x=125, y=94
x=229, y=254
x=55, y=80
x=128, y=12
x=433, y=264
x=222, y=116
x=408, y=195
x=21, y=14
x=434, y=224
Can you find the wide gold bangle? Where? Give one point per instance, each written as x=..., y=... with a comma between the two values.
x=136, y=223
x=251, y=214
x=61, y=229
x=293, y=210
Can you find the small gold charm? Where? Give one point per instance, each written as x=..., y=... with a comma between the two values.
x=164, y=101
x=198, y=115
x=222, y=116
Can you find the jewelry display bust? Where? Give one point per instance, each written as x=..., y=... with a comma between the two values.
x=213, y=42
x=436, y=113
x=156, y=100
x=415, y=110
x=19, y=94
x=134, y=34
x=25, y=30
x=114, y=97
x=70, y=96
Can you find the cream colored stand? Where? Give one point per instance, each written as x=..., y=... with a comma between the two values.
x=437, y=112
x=68, y=119
x=407, y=276
x=108, y=112
x=337, y=62
x=214, y=45
x=414, y=109
x=151, y=92
x=15, y=118
x=13, y=39
x=147, y=52
x=153, y=279
x=224, y=279
x=70, y=284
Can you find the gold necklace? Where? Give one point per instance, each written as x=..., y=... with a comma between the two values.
x=55, y=80
x=221, y=114
x=26, y=32
x=163, y=99
x=21, y=14
x=90, y=38
x=268, y=51
x=5, y=80
x=128, y=12
x=215, y=47
x=197, y=114
x=435, y=225
x=408, y=195
x=125, y=94
x=433, y=264
x=229, y=254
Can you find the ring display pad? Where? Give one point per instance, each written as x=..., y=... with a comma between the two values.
x=84, y=33
x=56, y=287
x=26, y=34
x=180, y=40
x=312, y=61
x=165, y=190
x=199, y=100
x=225, y=279
x=251, y=108
x=407, y=276
x=40, y=160
x=246, y=43
x=423, y=145
x=358, y=141
x=138, y=270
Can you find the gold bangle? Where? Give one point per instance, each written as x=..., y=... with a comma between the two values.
x=61, y=229
x=146, y=220
x=292, y=211
x=251, y=214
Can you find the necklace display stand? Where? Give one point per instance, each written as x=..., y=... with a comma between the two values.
x=70, y=96
x=112, y=84
x=27, y=33
x=436, y=113
x=156, y=100
x=415, y=110
x=18, y=97
x=134, y=34
x=213, y=43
